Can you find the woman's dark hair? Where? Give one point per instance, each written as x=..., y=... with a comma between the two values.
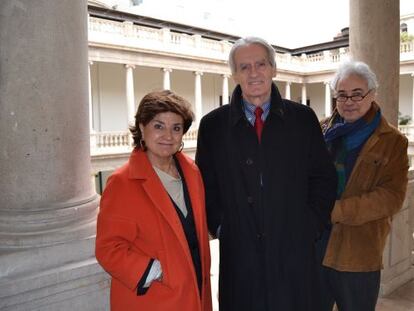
x=157, y=102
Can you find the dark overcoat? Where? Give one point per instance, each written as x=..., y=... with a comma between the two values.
x=269, y=202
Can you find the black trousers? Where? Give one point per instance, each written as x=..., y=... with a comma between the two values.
x=351, y=291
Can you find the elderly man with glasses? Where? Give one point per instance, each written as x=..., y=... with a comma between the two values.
x=371, y=163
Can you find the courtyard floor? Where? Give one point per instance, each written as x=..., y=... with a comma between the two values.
x=401, y=299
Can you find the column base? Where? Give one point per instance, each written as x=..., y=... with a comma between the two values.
x=73, y=285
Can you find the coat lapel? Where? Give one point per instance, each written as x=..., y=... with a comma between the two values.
x=383, y=127
x=141, y=168
x=193, y=185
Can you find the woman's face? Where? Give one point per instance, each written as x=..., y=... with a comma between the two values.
x=163, y=136
x=351, y=109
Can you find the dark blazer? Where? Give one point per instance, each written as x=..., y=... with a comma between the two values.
x=267, y=232
x=137, y=222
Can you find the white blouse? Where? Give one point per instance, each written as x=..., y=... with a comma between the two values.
x=174, y=187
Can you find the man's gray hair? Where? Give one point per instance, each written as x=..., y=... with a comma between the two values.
x=360, y=69
x=247, y=41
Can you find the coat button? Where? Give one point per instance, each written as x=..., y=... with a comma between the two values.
x=249, y=161
x=260, y=236
x=250, y=200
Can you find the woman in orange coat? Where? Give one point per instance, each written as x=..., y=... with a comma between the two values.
x=151, y=233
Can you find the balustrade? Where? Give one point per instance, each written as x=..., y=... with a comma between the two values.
x=191, y=135
x=108, y=31
x=406, y=47
x=407, y=130
x=110, y=142
x=335, y=56
x=121, y=141
x=164, y=40
x=316, y=57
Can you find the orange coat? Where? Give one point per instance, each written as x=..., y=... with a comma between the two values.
x=137, y=222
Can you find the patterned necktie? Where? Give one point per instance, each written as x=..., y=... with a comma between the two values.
x=258, y=123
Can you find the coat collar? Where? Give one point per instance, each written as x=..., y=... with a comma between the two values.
x=277, y=106
x=383, y=128
x=139, y=165
x=140, y=168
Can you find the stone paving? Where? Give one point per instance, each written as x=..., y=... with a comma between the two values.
x=401, y=299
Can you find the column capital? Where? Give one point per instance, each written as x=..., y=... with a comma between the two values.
x=90, y=62
x=198, y=73
x=288, y=82
x=412, y=74
x=129, y=66
x=166, y=69
x=227, y=76
x=327, y=82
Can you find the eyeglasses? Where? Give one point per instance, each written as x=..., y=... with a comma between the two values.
x=341, y=98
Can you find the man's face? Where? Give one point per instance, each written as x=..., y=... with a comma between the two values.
x=254, y=73
x=353, y=109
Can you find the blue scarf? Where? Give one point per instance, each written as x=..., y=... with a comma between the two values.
x=345, y=141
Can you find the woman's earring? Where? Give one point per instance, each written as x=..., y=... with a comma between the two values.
x=181, y=147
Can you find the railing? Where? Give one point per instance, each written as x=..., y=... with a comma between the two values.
x=126, y=34
x=406, y=47
x=315, y=57
x=110, y=142
x=407, y=130
x=191, y=135
x=407, y=51
x=111, y=139
x=121, y=141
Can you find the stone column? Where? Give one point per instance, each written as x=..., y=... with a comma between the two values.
x=47, y=204
x=166, y=78
x=197, y=97
x=287, y=89
x=225, y=91
x=328, y=100
x=378, y=44
x=130, y=98
x=304, y=94
x=91, y=129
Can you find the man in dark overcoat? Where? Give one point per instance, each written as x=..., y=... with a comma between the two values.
x=270, y=187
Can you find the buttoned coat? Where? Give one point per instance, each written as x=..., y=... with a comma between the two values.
x=137, y=221
x=270, y=201
x=374, y=192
